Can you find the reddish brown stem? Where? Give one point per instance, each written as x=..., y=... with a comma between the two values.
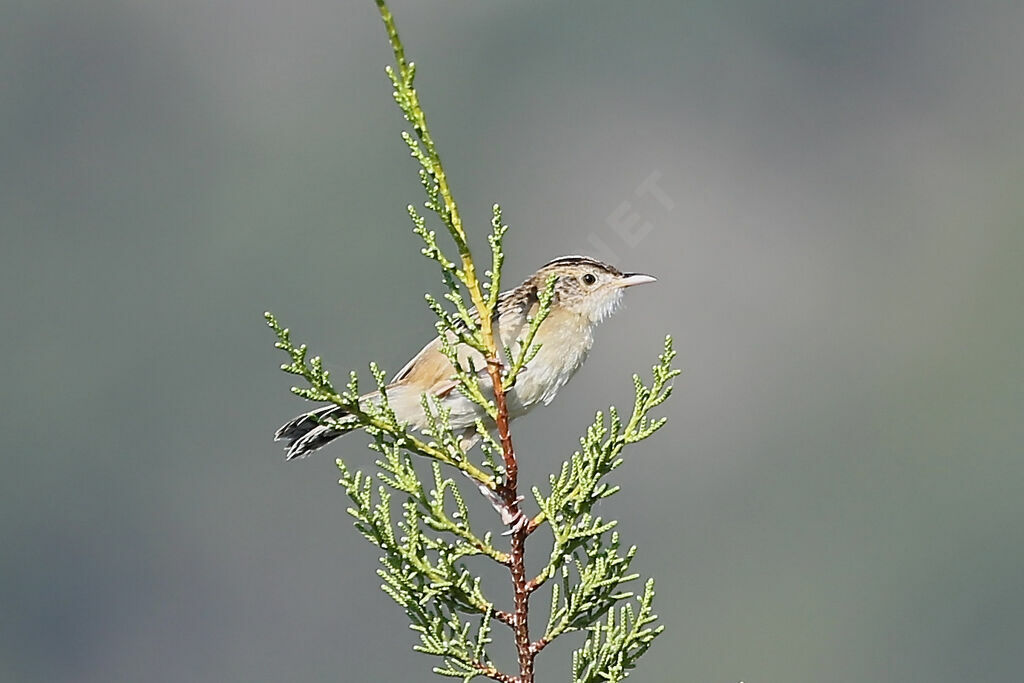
x=507, y=618
x=508, y=453
x=493, y=673
x=517, y=556
x=522, y=598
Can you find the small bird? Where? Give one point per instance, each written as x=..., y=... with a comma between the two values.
x=586, y=291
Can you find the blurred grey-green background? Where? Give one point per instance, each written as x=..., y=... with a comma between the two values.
x=838, y=234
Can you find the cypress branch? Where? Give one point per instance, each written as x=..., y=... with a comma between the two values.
x=423, y=528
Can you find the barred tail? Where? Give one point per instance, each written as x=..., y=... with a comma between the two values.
x=305, y=433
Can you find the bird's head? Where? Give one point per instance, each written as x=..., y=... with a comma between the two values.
x=587, y=287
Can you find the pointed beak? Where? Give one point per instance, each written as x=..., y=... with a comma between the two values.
x=630, y=279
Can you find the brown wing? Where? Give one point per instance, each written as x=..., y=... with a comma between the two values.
x=428, y=369
x=431, y=369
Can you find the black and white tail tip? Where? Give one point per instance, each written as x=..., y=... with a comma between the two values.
x=305, y=434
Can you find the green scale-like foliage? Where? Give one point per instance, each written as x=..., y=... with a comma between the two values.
x=423, y=528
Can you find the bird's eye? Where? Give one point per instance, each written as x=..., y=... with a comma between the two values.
x=589, y=279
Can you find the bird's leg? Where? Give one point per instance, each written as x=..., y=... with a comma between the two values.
x=496, y=501
x=512, y=518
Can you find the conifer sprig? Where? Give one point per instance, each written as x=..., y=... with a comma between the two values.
x=616, y=642
x=375, y=419
x=422, y=524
